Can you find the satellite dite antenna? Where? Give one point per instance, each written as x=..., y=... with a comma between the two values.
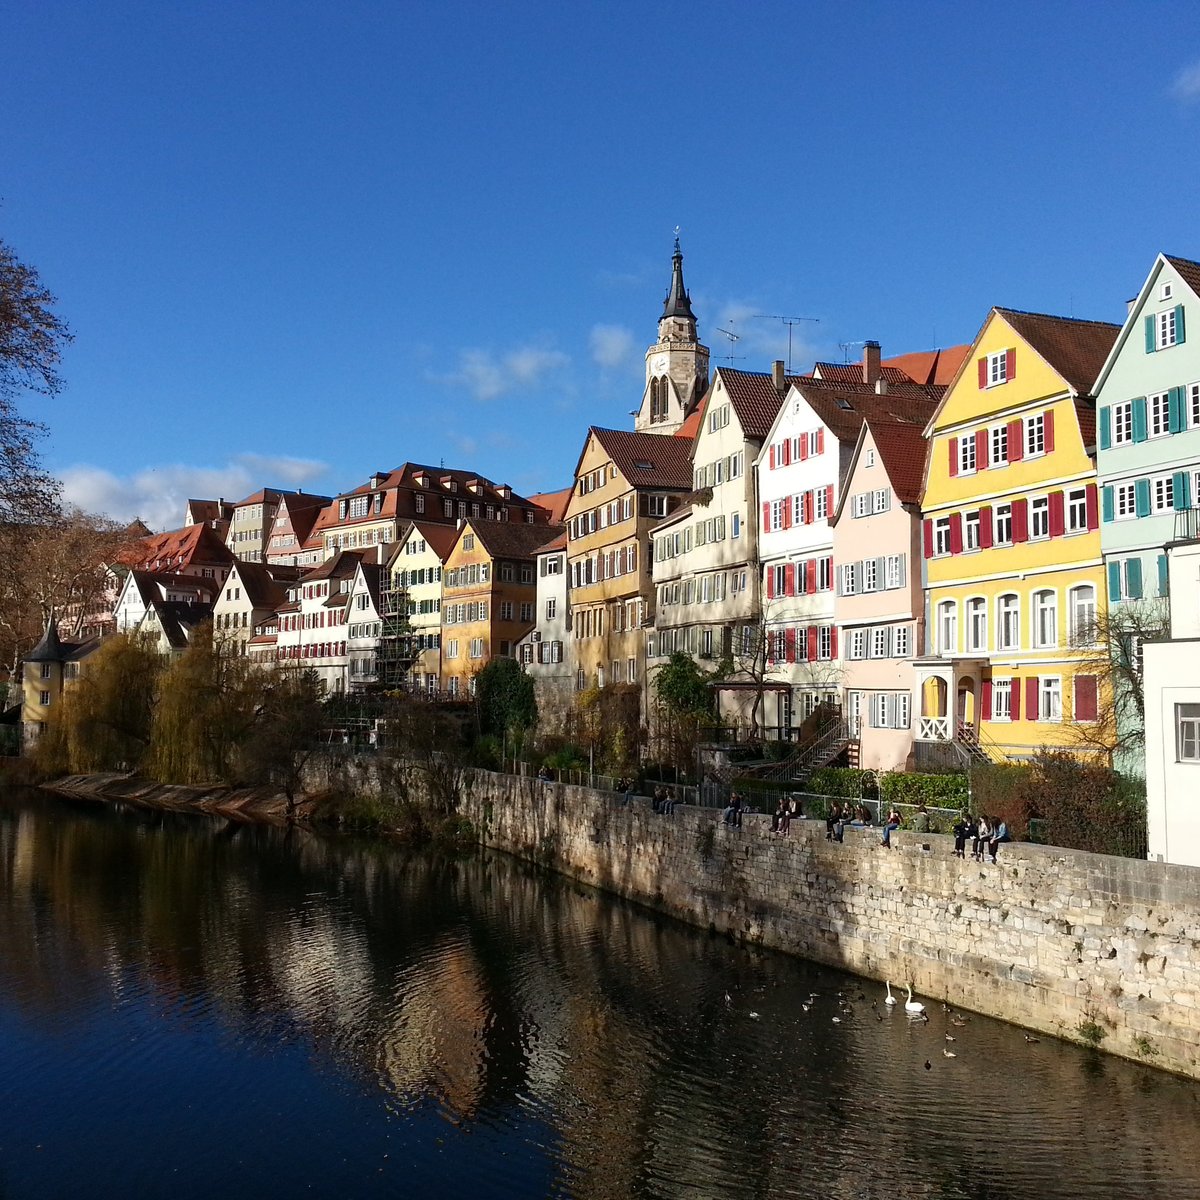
x=734, y=338
x=789, y=322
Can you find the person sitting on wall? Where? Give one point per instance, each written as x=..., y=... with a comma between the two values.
x=893, y=823
x=666, y=805
x=921, y=819
x=983, y=837
x=544, y=774
x=962, y=831
x=832, y=818
x=999, y=835
x=864, y=817
x=733, y=813
x=782, y=817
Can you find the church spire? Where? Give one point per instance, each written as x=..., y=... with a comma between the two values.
x=678, y=303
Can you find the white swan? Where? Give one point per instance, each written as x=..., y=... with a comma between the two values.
x=911, y=1005
x=890, y=998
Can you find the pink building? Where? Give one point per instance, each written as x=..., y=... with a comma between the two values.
x=879, y=603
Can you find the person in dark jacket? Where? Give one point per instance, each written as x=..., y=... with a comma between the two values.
x=962, y=831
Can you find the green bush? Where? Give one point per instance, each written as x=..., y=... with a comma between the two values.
x=849, y=783
x=937, y=791
x=1006, y=792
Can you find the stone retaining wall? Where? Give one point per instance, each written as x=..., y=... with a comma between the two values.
x=1084, y=946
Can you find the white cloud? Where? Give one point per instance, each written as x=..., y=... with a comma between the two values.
x=611, y=346
x=159, y=495
x=1187, y=83
x=487, y=376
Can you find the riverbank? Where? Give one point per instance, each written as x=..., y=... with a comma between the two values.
x=1094, y=949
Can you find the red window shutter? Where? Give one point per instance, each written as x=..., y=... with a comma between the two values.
x=787, y=513
x=790, y=643
x=771, y=460
x=985, y=705
x=1020, y=521
x=811, y=576
x=985, y=528
x=766, y=517
x=803, y=446
x=1048, y=428
x=956, y=542
x=808, y=508
x=789, y=579
x=1031, y=698
x=829, y=499
x=1014, y=702
x=1093, y=512
x=1016, y=443
x=1010, y=370
x=820, y=441
x=1058, y=520
x=833, y=640
x=928, y=537
x=770, y=583
x=983, y=372
x=787, y=451
x=954, y=456
x=1086, y=699
x=981, y=449
x=812, y=643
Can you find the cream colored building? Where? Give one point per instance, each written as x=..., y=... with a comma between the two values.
x=415, y=571
x=250, y=594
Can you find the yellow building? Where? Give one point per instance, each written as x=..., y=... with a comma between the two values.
x=1011, y=532
x=45, y=672
x=625, y=483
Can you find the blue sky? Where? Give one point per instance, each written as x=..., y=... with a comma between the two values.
x=299, y=242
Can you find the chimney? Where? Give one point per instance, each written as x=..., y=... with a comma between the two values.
x=778, y=376
x=871, y=367
x=1130, y=305
x=881, y=386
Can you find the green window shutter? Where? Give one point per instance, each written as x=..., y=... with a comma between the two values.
x=1141, y=430
x=1164, y=585
x=1109, y=506
x=1114, y=582
x=1105, y=428
x=1142, y=494
x=1179, y=338
x=1180, y=489
x=1175, y=409
x=1149, y=335
x=1133, y=577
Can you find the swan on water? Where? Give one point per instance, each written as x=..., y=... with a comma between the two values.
x=911, y=1005
x=890, y=998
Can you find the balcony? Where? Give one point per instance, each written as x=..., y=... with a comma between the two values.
x=1187, y=525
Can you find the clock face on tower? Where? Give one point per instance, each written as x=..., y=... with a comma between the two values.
x=659, y=365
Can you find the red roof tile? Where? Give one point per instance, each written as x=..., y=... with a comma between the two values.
x=902, y=449
x=555, y=503
x=1075, y=349
x=193, y=545
x=1189, y=271
x=754, y=398
x=648, y=460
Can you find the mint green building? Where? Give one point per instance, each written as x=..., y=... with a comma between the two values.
x=1148, y=444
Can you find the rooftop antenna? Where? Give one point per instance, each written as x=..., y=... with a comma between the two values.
x=734, y=338
x=846, y=347
x=789, y=322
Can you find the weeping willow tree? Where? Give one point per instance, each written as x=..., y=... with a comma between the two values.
x=104, y=720
x=208, y=702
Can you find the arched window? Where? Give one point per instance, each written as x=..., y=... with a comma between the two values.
x=1045, y=619
x=1008, y=622
x=977, y=624
x=1081, y=605
x=947, y=628
x=658, y=399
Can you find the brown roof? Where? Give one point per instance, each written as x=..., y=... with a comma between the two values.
x=441, y=538
x=902, y=448
x=510, y=539
x=844, y=407
x=853, y=372
x=263, y=584
x=341, y=565
x=1189, y=271
x=192, y=545
x=152, y=584
x=558, y=542
x=754, y=398
x=1075, y=349
x=555, y=503
x=691, y=423
x=648, y=460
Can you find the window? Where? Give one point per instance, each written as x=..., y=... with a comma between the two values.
x=1122, y=423
x=977, y=624
x=1050, y=699
x=45, y=698
x=1039, y=517
x=1193, y=405
x=551, y=608
x=1001, y=699
x=527, y=610
x=1077, y=520
x=1167, y=329
x=1160, y=414
x=1125, y=501
x=894, y=571
x=477, y=647
x=735, y=525
x=1008, y=623
x=718, y=418
x=821, y=504
x=1045, y=619
x=901, y=641
x=870, y=570
x=879, y=642
x=1081, y=605
x=1035, y=435
x=947, y=628
x=861, y=507
x=45, y=670
x=506, y=610
x=882, y=500
x=998, y=442
x=971, y=531
x=824, y=574
x=941, y=535
x=825, y=643
x=1002, y=525
x=858, y=643
x=997, y=368
x=468, y=541
x=1163, y=490
x=1187, y=733
x=777, y=514
x=966, y=454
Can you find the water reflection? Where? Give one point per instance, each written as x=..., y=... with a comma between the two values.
x=189, y=1006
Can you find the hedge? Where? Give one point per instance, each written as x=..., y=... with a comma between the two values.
x=844, y=782
x=938, y=791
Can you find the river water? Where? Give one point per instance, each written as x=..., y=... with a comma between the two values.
x=191, y=1009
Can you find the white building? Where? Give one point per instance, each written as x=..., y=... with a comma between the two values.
x=542, y=650
x=364, y=626
x=312, y=622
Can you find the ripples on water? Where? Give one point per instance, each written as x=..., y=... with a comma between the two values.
x=193, y=1010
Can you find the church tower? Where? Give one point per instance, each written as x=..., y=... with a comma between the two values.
x=676, y=365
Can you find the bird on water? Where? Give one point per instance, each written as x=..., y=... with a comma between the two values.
x=911, y=1005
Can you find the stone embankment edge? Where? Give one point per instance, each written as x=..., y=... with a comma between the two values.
x=1098, y=950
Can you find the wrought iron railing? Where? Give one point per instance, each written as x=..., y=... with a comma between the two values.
x=1187, y=525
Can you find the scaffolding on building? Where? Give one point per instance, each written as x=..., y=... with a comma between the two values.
x=396, y=642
